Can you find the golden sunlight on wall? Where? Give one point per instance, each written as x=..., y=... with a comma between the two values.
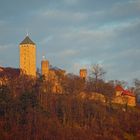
x=45, y=68
x=28, y=57
x=83, y=73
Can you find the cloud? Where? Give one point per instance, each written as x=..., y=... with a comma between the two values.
x=71, y=2
x=75, y=33
x=5, y=46
x=63, y=16
x=67, y=52
x=46, y=40
x=8, y=55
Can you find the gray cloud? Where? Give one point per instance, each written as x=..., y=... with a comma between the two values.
x=75, y=33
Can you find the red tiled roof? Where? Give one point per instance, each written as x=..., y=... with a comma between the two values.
x=124, y=92
x=119, y=88
x=129, y=93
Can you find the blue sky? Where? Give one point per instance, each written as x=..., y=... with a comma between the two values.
x=75, y=33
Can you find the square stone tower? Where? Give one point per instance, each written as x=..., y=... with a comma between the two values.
x=45, y=68
x=83, y=73
x=28, y=57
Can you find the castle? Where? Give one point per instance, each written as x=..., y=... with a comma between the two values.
x=28, y=61
x=51, y=75
x=28, y=65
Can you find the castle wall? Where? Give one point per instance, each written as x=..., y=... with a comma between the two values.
x=45, y=68
x=83, y=73
x=28, y=59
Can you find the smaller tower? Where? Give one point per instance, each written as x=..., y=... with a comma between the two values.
x=83, y=73
x=45, y=67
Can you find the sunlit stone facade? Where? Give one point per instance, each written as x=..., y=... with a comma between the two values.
x=28, y=57
x=83, y=73
x=45, y=68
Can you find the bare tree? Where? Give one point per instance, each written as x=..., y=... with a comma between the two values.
x=97, y=72
x=137, y=86
x=137, y=90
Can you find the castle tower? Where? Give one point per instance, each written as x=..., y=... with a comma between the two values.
x=28, y=57
x=45, y=68
x=83, y=73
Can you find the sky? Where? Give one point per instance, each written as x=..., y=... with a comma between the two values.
x=74, y=34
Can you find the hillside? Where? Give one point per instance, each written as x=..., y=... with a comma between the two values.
x=29, y=110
